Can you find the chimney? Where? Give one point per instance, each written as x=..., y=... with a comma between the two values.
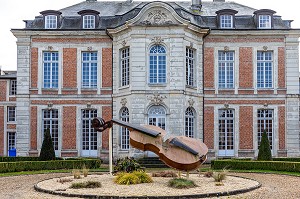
x=218, y=0
x=196, y=5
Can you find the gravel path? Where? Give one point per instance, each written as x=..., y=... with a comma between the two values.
x=273, y=186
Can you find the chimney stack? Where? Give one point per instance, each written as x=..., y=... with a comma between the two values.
x=196, y=5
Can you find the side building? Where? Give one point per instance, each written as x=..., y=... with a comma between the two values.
x=218, y=71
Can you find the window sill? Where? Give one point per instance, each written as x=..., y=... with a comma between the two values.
x=11, y=122
x=157, y=85
x=191, y=87
x=124, y=87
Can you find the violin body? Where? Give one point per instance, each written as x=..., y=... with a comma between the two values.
x=173, y=156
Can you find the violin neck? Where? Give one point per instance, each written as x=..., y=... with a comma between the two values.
x=139, y=128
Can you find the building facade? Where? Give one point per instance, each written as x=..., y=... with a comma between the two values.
x=218, y=71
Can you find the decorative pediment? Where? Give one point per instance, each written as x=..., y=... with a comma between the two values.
x=157, y=17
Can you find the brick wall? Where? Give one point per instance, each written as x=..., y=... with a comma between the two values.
x=2, y=141
x=34, y=67
x=209, y=126
x=245, y=68
x=246, y=127
x=69, y=127
x=33, y=128
x=281, y=116
x=209, y=66
x=69, y=68
x=106, y=115
x=3, y=90
x=106, y=67
x=281, y=67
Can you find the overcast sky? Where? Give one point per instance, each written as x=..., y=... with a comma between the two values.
x=13, y=12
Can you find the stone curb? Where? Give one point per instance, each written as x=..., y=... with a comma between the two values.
x=206, y=195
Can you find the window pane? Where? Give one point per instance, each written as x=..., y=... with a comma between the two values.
x=89, y=69
x=125, y=67
x=264, y=69
x=190, y=68
x=157, y=64
x=50, y=66
x=226, y=69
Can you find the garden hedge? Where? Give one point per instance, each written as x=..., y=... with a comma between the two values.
x=16, y=159
x=256, y=165
x=48, y=165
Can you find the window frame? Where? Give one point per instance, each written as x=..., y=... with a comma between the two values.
x=228, y=119
x=13, y=87
x=224, y=22
x=51, y=122
x=157, y=71
x=265, y=121
x=157, y=116
x=89, y=78
x=125, y=66
x=52, y=66
x=124, y=132
x=190, y=73
x=50, y=21
x=263, y=23
x=262, y=80
x=190, y=122
x=229, y=70
x=11, y=114
x=92, y=142
x=88, y=21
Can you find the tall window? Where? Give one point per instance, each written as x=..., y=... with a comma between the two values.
x=157, y=65
x=124, y=131
x=13, y=87
x=50, y=65
x=264, y=21
x=226, y=130
x=265, y=123
x=264, y=69
x=50, y=121
x=89, y=69
x=88, y=22
x=226, y=21
x=11, y=140
x=125, y=67
x=189, y=122
x=89, y=135
x=11, y=113
x=50, y=22
x=190, y=67
x=157, y=116
x=226, y=69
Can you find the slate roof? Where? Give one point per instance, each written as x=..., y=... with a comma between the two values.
x=116, y=13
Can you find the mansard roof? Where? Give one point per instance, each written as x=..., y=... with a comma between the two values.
x=116, y=13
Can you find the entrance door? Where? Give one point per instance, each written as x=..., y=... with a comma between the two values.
x=226, y=132
x=11, y=142
x=88, y=135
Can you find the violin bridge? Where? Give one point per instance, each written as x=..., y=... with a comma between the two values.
x=166, y=137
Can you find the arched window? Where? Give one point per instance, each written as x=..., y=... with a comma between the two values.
x=189, y=122
x=124, y=132
x=157, y=116
x=157, y=65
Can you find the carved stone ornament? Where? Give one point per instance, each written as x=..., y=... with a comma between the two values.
x=90, y=48
x=157, y=17
x=157, y=40
x=50, y=48
x=191, y=102
x=156, y=99
x=226, y=105
x=123, y=102
x=123, y=43
x=265, y=105
x=265, y=48
x=226, y=48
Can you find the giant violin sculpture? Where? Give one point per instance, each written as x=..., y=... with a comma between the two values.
x=179, y=152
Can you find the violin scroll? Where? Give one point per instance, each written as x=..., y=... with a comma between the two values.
x=99, y=124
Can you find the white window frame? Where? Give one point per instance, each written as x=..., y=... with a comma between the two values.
x=190, y=72
x=227, y=119
x=11, y=114
x=157, y=65
x=13, y=87
x=157, y=116
x=265, y=67
x=50, y=80
x=11, y=140
x=89, y=137
x=125, y=66
x=89, y=70
x=263, y=123
x=88, y=21
x=190, y=121
x=226, y=21
x=50, y=22
x=124, y=132
x=226, y=66
x=264, y=21
x=51, y=120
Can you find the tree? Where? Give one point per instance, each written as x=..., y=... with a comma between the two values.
x=47, y=150
x=264, y=152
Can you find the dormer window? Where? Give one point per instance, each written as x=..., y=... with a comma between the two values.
x=264, y=18
x=89, y=19
x=226, y=18
x=51, y=19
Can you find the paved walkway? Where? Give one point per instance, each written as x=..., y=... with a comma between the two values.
x=273, y=187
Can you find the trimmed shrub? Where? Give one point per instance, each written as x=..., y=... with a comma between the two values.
x=47, y=150
x=144, y=177
x=264, y=152
x=136, y=177
x=181, y=183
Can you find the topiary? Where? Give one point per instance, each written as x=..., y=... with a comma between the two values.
x=47, y=150
x=264, y=152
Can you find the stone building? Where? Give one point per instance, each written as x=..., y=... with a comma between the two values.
x=215, y=70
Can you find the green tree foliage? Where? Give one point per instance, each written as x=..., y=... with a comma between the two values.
x=47, y=150
x=264, y=152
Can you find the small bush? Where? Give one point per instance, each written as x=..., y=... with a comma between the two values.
x=47, y=150
x=127, y=165
x=167, y=174
x=76, y=173
x=88, y=184
x=264, y=151
x=85, y=171
x=208, y=173
x=181, y=183
x=220, y=176
x=136, y=177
